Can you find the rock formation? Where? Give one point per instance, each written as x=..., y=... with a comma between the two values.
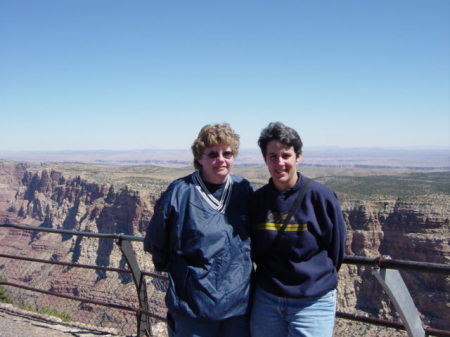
x=47, y=199
x=405, y=229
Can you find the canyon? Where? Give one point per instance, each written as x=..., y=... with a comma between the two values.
x=407, y=221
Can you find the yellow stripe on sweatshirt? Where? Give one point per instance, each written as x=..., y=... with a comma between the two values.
x=270, y=226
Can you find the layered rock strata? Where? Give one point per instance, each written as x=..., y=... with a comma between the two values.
x=416, y=230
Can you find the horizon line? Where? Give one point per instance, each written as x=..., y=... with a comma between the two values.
x=334, y=147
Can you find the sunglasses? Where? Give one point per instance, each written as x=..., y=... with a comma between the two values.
x=214, y=154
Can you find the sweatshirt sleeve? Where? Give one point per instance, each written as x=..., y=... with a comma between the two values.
x=157, y=236
x=336, y=247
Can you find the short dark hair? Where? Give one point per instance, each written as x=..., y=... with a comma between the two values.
x=282, y=133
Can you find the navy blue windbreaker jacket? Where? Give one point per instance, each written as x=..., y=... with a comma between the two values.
x=204, y=245
x=304, y=261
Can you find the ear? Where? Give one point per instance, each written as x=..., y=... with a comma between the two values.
x=299, y=159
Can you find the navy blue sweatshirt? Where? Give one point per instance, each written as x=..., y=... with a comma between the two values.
x=305, y=259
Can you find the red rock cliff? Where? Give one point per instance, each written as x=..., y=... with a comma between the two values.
x=404, y=229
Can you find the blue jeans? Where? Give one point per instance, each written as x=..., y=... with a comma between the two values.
x=292, y=317
x=184, y=326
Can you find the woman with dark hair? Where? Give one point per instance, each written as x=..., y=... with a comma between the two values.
x=199, y=235
x=298, y=238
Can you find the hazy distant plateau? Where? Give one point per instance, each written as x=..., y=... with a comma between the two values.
x=326, y=157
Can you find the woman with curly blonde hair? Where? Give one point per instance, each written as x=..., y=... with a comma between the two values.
x=199, y=235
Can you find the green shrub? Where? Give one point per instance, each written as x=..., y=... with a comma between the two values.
x=52, y=312
x=4, y=295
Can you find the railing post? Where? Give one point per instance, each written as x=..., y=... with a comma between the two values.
x=143, y=321
x=395, y=287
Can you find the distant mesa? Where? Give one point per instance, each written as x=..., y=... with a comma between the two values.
x=321, y=157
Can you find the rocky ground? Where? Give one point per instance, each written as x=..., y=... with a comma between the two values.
x=15, y=322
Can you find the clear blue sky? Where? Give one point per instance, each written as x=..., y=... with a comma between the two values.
x=107, y=74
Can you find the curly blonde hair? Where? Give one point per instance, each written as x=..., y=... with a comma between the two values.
x=213, y=135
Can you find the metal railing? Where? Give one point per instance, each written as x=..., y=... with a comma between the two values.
x=144, y=315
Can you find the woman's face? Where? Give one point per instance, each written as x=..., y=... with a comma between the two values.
x=216, y=162
x=282, y=161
